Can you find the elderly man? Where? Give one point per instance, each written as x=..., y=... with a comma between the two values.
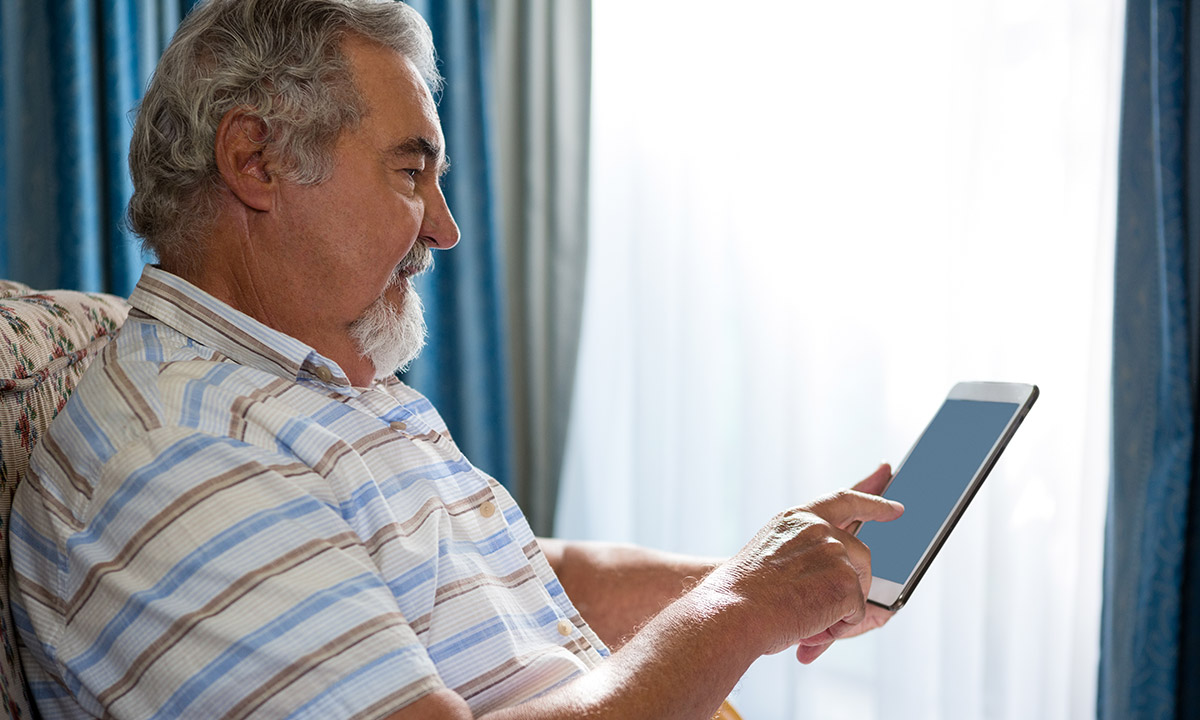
x=241, y=512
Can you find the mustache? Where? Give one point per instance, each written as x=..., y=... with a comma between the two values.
x=418, y=260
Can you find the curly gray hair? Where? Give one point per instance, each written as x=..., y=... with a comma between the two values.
x=281, y=59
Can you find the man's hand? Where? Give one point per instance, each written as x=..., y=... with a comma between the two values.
x=806, y=573
x=811, y=648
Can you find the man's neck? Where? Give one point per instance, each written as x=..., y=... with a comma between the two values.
x=265, y=290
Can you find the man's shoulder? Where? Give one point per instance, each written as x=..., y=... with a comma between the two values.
x=139, y=376
x=150, y=379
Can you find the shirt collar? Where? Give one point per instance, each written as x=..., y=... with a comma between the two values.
x=180, y=305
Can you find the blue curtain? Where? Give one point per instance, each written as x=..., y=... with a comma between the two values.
x=464, y=368
x=73, y=70
x=1150, y=654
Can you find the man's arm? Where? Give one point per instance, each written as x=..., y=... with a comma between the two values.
x=802, y=576
x=617, y=588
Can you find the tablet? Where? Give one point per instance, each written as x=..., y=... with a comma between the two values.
x=937, y=480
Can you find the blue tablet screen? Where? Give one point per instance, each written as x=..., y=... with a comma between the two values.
x=936, y=473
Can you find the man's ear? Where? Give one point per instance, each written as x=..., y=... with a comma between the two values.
x=242, y=160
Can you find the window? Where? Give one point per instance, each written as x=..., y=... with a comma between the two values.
x=808, y=221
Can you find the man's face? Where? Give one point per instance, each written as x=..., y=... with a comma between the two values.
x=354, y=232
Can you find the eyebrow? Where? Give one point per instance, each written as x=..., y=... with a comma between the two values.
x=423, y=146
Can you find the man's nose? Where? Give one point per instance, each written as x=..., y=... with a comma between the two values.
x=438, y=228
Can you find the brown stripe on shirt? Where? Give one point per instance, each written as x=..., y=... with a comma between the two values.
x=65, y=466
x=341, y=448
x=449, y=591
x=242, y=404
x=51, y=504
x=131, y=395
x=413, y=523
x=32, y=590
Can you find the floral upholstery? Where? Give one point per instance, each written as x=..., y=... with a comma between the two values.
x=48, y=339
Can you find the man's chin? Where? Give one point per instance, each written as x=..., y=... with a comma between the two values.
x=391, y=333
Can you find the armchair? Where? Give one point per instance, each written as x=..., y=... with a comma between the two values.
x=47, y=340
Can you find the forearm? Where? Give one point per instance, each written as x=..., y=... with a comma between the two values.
x=681, y=665
x=618, y=588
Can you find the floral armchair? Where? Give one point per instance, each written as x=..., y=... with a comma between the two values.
x=48, y=338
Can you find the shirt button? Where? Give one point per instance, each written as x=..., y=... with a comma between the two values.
x=487, y=508
x=323, y=373
x=565, y=628
x=399, y=426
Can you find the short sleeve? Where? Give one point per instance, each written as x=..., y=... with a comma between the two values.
x=210, y=578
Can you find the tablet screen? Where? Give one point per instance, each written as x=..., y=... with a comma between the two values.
x=931, y=480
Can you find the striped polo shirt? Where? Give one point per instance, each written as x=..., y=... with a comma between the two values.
x=219, y=525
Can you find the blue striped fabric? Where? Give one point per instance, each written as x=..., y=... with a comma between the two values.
x=210, y=530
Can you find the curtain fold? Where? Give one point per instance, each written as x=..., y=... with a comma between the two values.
x=541, y=74
x=73, y=70
x=1149, y=648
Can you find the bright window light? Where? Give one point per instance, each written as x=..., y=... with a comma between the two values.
x=809, y=220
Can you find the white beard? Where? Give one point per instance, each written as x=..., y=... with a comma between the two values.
x=392, y=338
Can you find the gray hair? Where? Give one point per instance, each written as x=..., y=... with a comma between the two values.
x=283, y=60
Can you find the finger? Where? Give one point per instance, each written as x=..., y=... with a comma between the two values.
x=848, y=506
x=811, y=648
x=849, y=608
x=877, y=617
x=875, y=483
x=859, y=556
x=807, y=653
x=855, y=610
x=836, y=631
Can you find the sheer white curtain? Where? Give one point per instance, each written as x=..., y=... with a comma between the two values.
x=809, y=220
